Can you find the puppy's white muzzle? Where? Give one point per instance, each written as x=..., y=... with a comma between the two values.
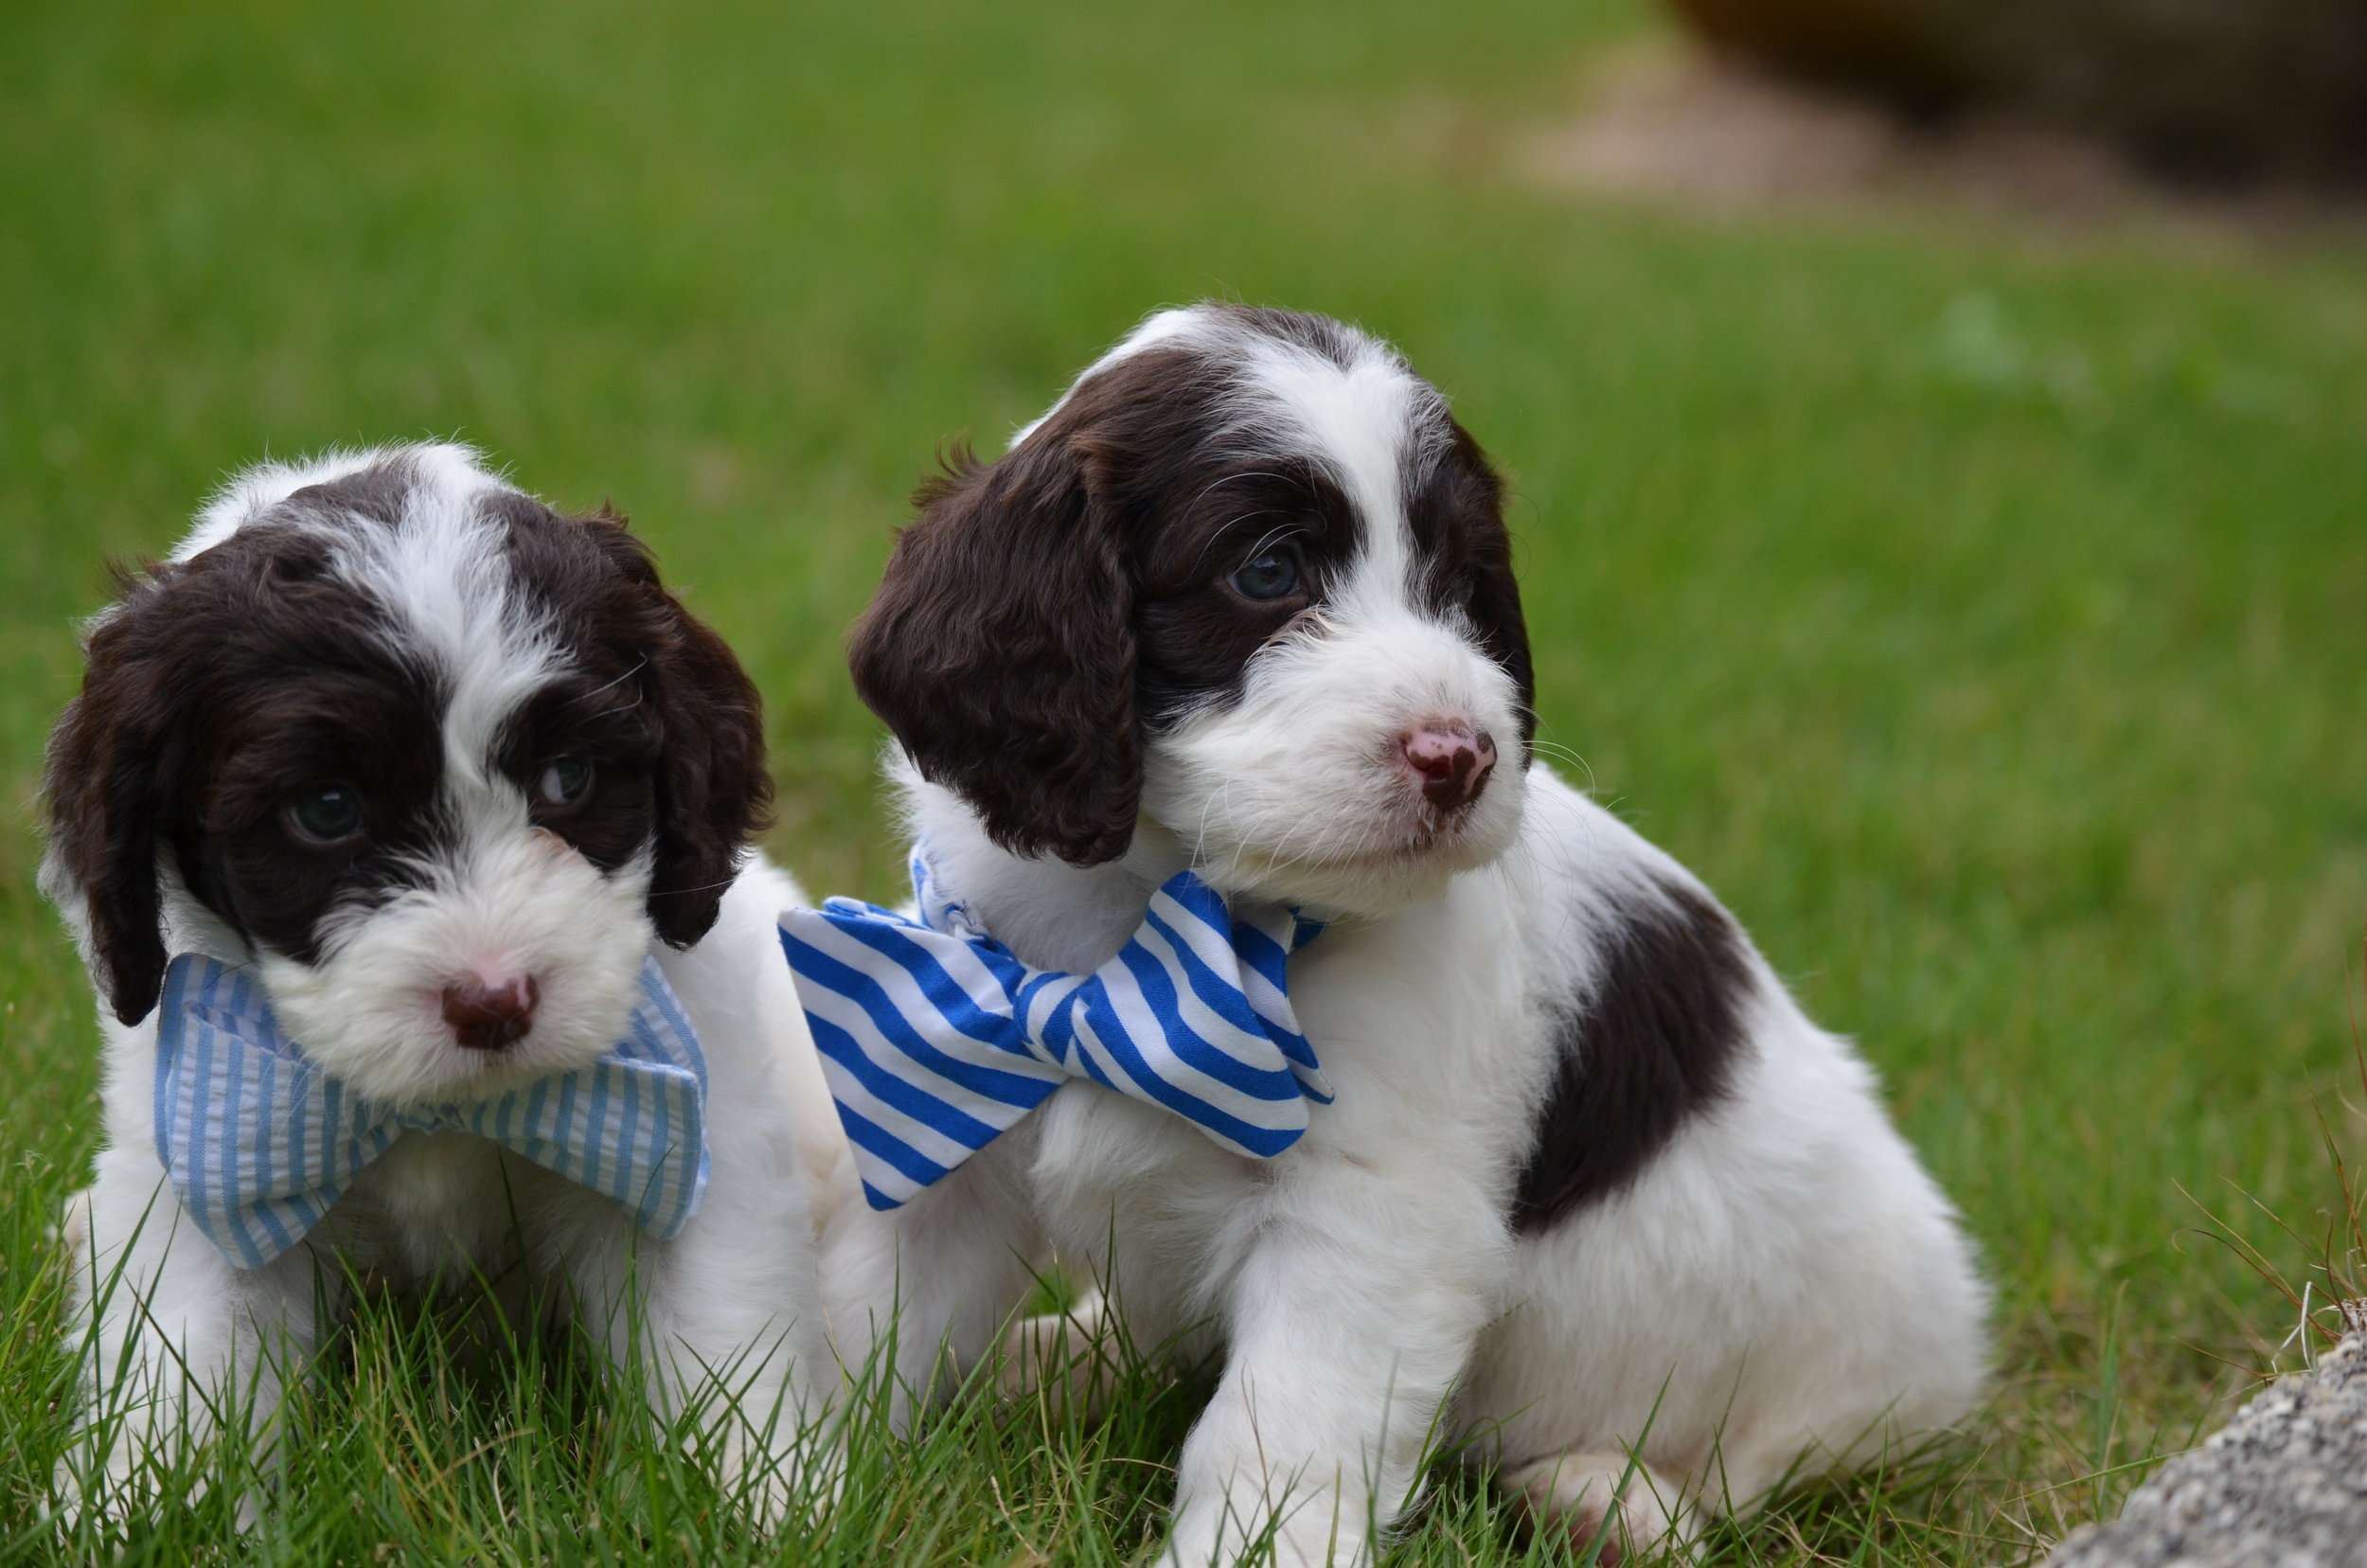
x=517, y=959
x=1369, y=759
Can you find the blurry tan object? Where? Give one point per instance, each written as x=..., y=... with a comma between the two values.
x=1697, y=127
x=1715, y=132
x=2217, y=89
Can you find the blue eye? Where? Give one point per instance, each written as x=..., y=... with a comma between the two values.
x=564, y=781
x=326, y=815
x=1269, y=575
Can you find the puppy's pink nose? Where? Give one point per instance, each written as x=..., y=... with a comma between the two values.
x=487, y=1018
x=1453, y=764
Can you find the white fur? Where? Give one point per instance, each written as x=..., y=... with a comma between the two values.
x=457, y=470
x=1161, y=329
x=730, y=1308
x=511, y=900
x=1294, y=791
x=1782, y=1285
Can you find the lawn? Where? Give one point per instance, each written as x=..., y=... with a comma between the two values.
x=1982, y=610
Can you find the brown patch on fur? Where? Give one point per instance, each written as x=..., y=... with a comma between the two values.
x=1650, y=1046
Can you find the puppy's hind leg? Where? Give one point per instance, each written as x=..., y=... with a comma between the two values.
x=1073, y=1357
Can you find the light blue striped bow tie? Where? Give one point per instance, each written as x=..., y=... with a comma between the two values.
x=936, y=1038
x=261, y=1142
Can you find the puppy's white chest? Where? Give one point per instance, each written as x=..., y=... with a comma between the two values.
x=1106, y=1161
x=440, y=1201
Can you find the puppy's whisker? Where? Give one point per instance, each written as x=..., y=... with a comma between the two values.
x=1223, y=480
x=638, y=665
x=685, y=892
x=1272, y=536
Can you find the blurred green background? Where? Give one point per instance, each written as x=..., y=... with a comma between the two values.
x=1982, y=608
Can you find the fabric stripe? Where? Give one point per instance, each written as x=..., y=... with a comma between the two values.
x=963, y=992
x=894, y=1163
x=936, y=1038
x=1234, y=1052
x=891, y=992
x=259, y=1143
x=195, y=1155
x=1159, y=1088
x=1149, y=1009
x=890, y=1089
x=1209, y=1002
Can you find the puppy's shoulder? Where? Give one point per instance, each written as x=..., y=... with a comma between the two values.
x=1596, y=876
x=734, y=980
x=1649, y=987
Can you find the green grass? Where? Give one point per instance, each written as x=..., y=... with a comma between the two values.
x=1983, y=613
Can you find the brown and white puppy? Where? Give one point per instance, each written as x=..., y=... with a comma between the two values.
x=440, y=767
x=1592, y=1188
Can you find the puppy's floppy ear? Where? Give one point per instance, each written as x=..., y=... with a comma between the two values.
x=117, y=762
x=1493, y=592
x=712, y=790
x=1000, y=648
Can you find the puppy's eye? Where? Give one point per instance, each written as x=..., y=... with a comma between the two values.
x=328, y=815
x=564, y=781
x=1271, y=574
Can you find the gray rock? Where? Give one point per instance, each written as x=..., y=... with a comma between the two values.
x=2284, y=1487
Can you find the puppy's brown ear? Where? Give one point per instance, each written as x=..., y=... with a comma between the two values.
x=1476, y=495
x=114, y=757
x=1000, y=650
x=712, y=790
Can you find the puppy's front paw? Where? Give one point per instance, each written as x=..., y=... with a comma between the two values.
x=1592, y=1497
x=1309, y=1536
x=111, y=1491
x=780, y=1478
x=101, y=1500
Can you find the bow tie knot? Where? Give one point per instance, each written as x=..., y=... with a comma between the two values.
x=259, y=1142
x=937, y=1039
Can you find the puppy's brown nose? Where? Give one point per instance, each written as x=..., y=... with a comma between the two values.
x=487, y=1018
x=1453, y=764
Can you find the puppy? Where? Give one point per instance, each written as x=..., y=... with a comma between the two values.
x=1589, y=1191
x=430, y=806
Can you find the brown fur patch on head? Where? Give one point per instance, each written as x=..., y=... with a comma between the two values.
x=711, y=787
x=1046, y=612
x=1001, y=647
x=133, y=759
x=215, y=686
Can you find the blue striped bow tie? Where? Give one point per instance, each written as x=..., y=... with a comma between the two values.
x=936, y=1038
x=259, y=1142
